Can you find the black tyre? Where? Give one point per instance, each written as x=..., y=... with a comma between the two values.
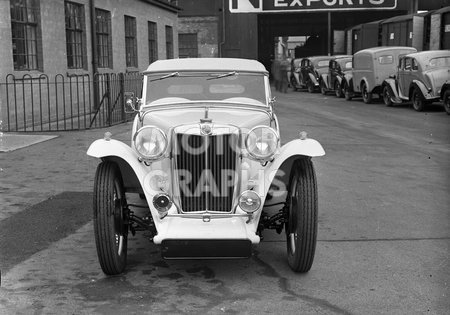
x=446, y=101
x=367, y=96
x=310, y=86
x=387, y=96
x=417, y=99
x=293, y=83
x=338, y=90
x=323, y=89
x=302, y=212
x=110, y=219
x=347, y=92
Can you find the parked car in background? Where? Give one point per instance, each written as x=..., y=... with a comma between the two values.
x=334, y=79
x=311, y=69
x=206, y=159
x=370, y=68
x=419, y=79
x=445, y=96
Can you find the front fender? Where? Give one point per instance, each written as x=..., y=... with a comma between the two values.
x=427, y=95
x=277, y=173
x=392, y=84
x=366, y=82
x=313, y=79
x=324, y=78
x=124, y=156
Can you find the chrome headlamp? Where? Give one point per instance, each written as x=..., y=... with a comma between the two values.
x=262, y=142
x=150, y=142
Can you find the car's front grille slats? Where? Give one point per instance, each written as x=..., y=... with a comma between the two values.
x=206, y=168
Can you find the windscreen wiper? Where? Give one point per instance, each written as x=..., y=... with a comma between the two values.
x=229, y=74
x=170, y=75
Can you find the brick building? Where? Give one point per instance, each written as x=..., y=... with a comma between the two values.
x=49, y=36
x=59, y=57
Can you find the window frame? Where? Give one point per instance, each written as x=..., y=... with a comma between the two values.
x=131, y=54
x=27, y=48
x=152, y=41
x=77, y=33
x=188, y=51
x=169, y=42
x=103, y=36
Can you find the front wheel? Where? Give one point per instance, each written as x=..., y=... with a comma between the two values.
x=367, y=96
x=310, y=86
x=417, y=100
x=446, y=101
x=387, y=97
x=302, y=213
x=323, y=88
x=347, y=92
x=338, y=89
x=110, y=219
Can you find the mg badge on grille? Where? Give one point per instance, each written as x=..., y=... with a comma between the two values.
x=206, y=129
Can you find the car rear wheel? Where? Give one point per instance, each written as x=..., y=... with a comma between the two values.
x=418, y=102
x=110, y=219
x=338, y=89
x=387, y=96
x=302, y=212
x=347, y=92
x=446, y=100
x=367, y=96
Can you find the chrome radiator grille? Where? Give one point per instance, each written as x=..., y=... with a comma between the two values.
x=205, y=167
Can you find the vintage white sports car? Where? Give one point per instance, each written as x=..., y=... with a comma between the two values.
x=205, y=154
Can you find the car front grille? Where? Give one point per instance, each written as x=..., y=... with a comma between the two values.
x=206, y=170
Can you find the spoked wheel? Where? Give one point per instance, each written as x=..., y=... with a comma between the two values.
x=417, y=100
x=110, y=219
x=387, y=97
x=447, y=101
x=302, y=212
x=367, y=96
x=347, y=92
x=338, y=89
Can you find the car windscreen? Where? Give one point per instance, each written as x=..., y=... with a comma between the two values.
x=163, y=88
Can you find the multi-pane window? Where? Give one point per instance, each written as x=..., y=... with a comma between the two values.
x=25, y=33
x=187, y=45
x=152, y=42
x=130, y=42
x=103, y=34
x=169, y=42
x=75, y=35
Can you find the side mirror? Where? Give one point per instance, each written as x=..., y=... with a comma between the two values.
x=131, y=103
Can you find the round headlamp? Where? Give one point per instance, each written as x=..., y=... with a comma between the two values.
x=262, y=142
x=150, y=142
x=249, y=201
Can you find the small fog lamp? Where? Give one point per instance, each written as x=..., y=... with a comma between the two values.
x=249, y=201
x=162, y=203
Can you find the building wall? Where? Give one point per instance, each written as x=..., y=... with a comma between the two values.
x=52, y=19
x=206, y=29
x=37, y=99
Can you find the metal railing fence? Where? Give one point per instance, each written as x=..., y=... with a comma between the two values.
x=61, y=103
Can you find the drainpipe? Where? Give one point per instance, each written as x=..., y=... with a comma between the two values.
x=223, y=30
x=93, y=36
x=94, y=53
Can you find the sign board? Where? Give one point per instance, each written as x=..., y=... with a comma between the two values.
x=270, y=6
